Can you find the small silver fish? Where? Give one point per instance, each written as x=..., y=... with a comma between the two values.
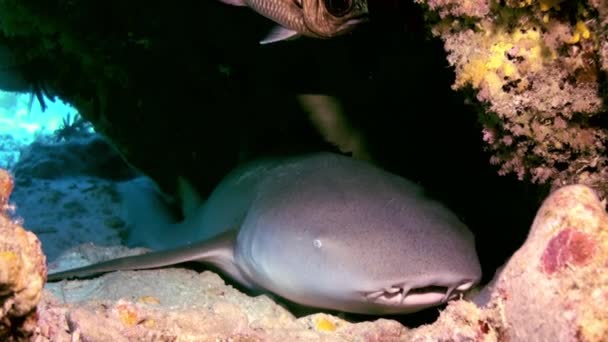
x=312, y=18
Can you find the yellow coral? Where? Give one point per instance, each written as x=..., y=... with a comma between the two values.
x=472, y=72
x=8, y=256
x=149, y=323
x=546, y=5
x=10, y=264
x=580, y=31
x=323, y=324
x=522, y=3
x=496, y=60
x=127, y=316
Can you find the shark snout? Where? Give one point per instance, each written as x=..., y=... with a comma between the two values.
x=403, y=298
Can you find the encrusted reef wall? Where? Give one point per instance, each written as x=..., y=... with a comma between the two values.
x=538, y=71
x=22, y=272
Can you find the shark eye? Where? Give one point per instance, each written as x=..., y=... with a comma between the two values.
x=338, y=8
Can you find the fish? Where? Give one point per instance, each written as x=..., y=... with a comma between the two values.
x=326, y=231
x=321, y=19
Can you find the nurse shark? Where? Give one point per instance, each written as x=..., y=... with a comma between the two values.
x=327, y=231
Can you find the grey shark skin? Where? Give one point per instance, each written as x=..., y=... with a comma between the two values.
x=326, y=231
x=313, y=18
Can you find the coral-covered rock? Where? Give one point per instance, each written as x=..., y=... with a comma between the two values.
x=6, y=188
x=183, y=305
x=22, y=273
x=556, y=286
x=85, y=156
x=537, y=69
x=460, y=321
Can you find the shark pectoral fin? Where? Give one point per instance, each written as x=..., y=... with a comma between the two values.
x=279, y=33
x=235, y=2
x=216, y=251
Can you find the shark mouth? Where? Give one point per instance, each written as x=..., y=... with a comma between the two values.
x=402, y=295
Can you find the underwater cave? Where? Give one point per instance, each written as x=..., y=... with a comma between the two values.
x=101, y=98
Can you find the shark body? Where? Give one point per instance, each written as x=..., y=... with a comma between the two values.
x=326, y=231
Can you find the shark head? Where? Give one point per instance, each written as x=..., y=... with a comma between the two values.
x=342, y=234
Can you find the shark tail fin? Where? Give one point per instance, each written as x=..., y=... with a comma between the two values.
x=147, y=213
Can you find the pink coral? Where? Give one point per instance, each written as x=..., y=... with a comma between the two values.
x=470, y=8
x=537, y=68
x=569, y=246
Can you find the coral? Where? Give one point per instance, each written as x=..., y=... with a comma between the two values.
x=537, y=71
x=22, y=273
x=560, y=272
x=468, y=8
x=568, y=247
x=6, y=188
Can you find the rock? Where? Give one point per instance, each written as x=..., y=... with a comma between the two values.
x=86, y=156
x=9, y=150
x=22, y=272
x=183, y=305
x=556, y=286
x=70, y=211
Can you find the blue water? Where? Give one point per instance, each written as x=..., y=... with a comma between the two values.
x=22, y=120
